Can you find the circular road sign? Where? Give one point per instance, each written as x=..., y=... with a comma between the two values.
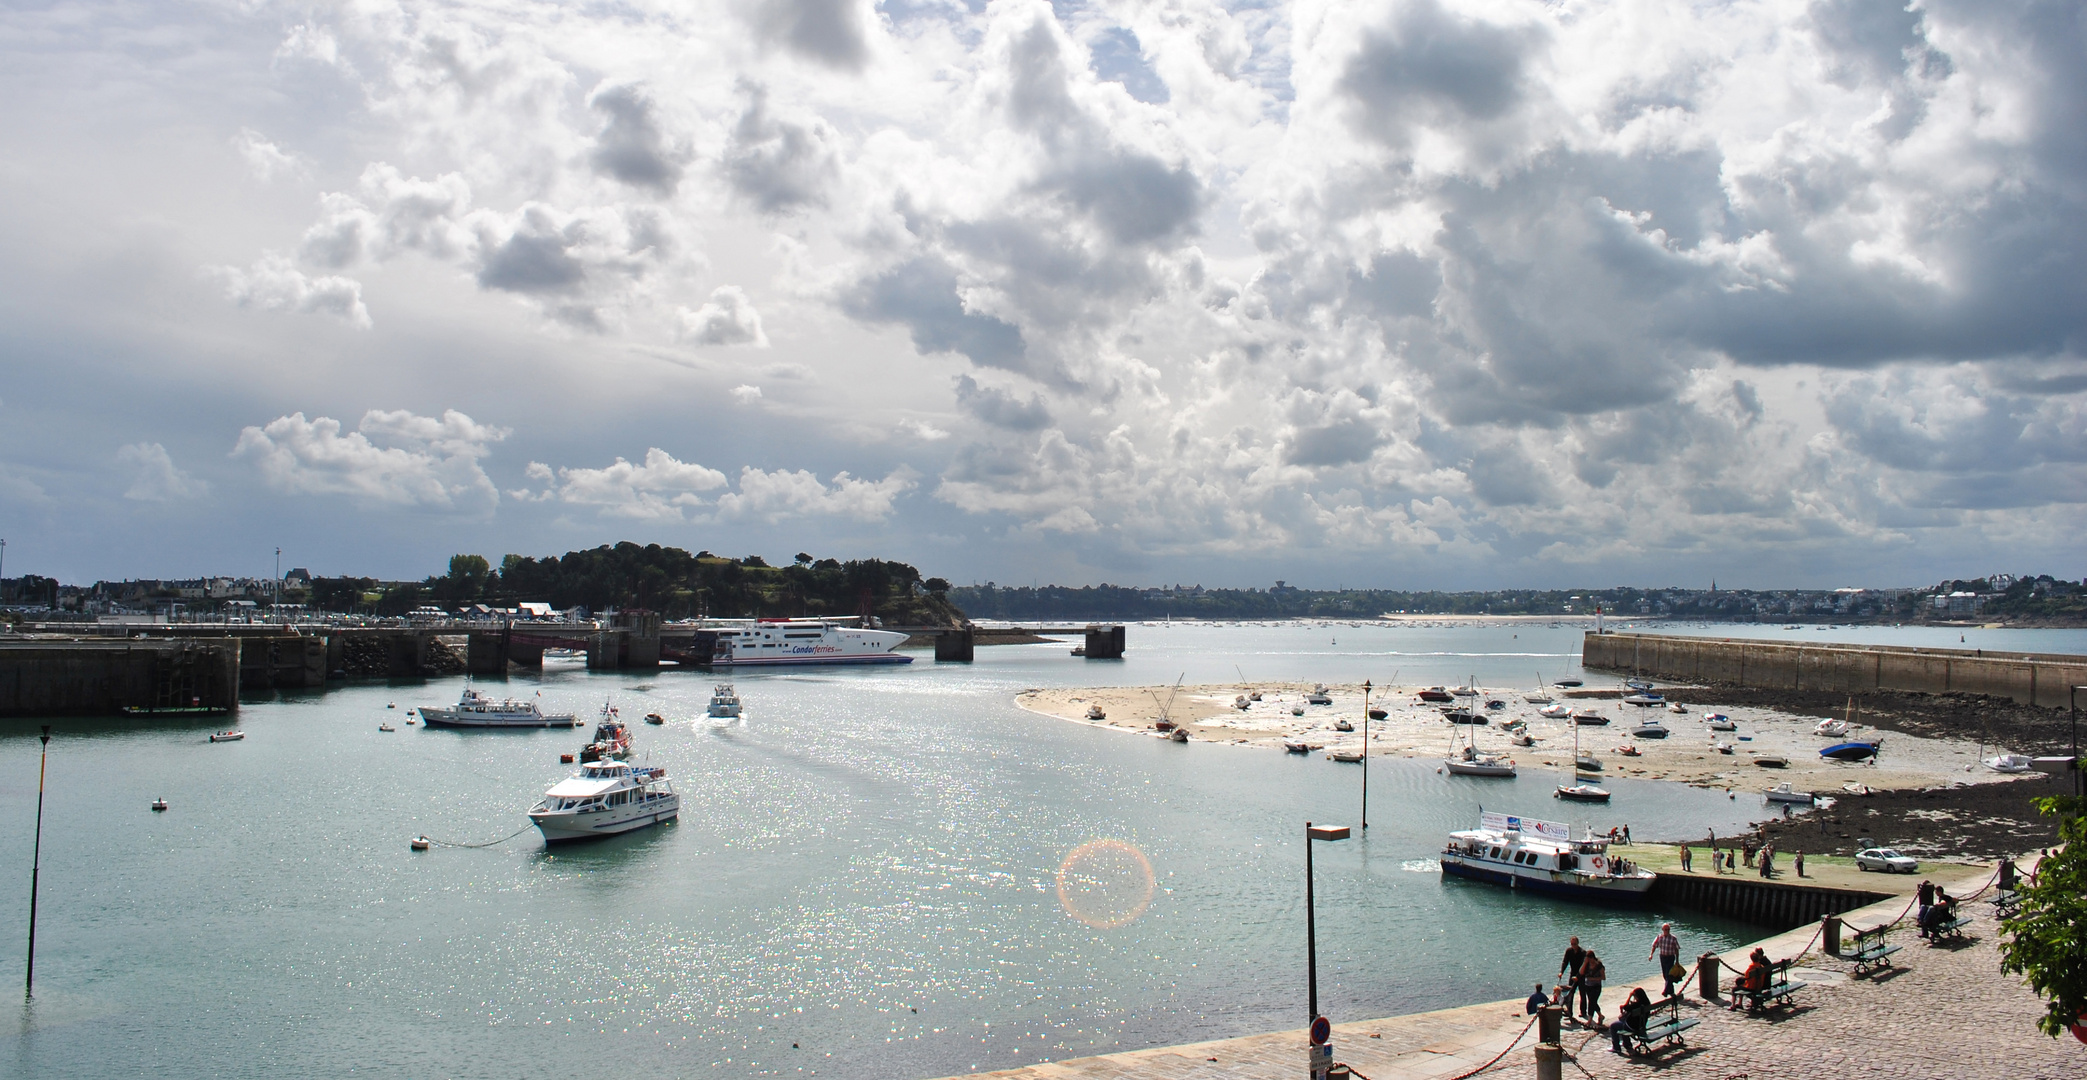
x=1322, y=1030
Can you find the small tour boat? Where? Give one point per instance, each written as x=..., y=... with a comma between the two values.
x=2010, y=763
x=1852, y=751
x=159, y=806
x=227, y=736
x=1541, y=856
x=1781, y=793
x=1555, y=712
x=724, y=701
x=1719, y=722
x=1650, y=729
x=611, y=737
x=605, y=798
x=1095, y=712
x=1589, y=718
x=1319, y=696
x=476, y=710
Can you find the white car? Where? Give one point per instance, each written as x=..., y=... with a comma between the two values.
x=1885, y=859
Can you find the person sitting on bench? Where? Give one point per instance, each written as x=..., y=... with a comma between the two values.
x=1755, y=980
x=1630, y=1019
x=1941, y=914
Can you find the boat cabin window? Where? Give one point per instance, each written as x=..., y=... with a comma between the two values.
x=1494, y=853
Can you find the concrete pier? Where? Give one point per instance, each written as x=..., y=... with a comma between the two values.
x=2044, y=679
x=102, y=678
x=956, y=646
x=1105, y=642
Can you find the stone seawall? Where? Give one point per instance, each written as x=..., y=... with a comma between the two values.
x=2043, y=679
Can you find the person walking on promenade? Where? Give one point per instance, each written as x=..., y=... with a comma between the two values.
x=1748, y=850
x=1684, y=859
x=1767, y=859
x=1592, y=975
x=1626, y=836
x=1569, y=970
x=1667, y=948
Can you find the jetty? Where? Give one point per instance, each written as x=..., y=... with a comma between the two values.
x=2043, y=679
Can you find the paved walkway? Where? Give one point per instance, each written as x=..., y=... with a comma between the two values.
x=1939, y=1012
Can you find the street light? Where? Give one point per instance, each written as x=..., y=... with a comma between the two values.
x=1365, y=753
x=2075, y=701
x=1321, y=1051
x=36, y=866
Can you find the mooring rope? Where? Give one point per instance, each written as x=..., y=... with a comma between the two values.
x=487, y=844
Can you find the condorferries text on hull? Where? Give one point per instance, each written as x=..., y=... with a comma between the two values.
x=1542, y=856
x=477, y=710
x=787, y=642
x=606, y=798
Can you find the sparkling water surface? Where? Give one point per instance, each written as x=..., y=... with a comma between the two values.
x=878, y=873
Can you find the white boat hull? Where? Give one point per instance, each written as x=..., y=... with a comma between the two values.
x=435, y=717
x=1605, y=889
x=1478, y=768
x=560, y=826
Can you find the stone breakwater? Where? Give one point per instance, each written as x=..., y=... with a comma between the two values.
x=2044, y=679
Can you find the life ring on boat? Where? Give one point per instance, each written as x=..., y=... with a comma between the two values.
x=1600, y=864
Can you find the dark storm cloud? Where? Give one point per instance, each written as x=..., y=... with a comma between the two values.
x=922, y=295
x=828, y=32
x=631, y=147
x=1503, y=476
x=1429, y=66
x=1342, y=442
x=779, y=164
x=1000, y=408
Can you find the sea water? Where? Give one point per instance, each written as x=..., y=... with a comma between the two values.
x=886, y=872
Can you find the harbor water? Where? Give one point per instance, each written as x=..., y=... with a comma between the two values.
x=876, y=873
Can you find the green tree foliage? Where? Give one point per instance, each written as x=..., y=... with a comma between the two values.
x=2047, y=935
x=342, y=594
x=466, y=580
x=678, y=585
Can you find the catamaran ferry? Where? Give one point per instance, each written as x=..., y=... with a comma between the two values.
x=783, y=642
x=1524, y=853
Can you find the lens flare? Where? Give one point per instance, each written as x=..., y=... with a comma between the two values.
x=1105, y=884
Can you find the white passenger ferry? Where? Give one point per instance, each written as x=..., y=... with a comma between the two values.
x=605, y=798
x=1542, y=856
x=476, y=710
x=784, y=642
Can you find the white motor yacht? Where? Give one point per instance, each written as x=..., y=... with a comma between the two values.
x=605, y=798
x=724, y=701
x=476, y=710
x=1781, y=793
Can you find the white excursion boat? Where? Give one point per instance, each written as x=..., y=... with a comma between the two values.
x=2010, y=763
x=1542, y=856
x=605, y=798
x=724, y=701
x=783, y=642
x=1782, y=793
x=479, y=711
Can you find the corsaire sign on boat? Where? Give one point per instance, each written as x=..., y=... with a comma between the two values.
x=1549, y=830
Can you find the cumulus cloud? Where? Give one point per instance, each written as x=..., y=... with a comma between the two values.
x=631, y=147
x=154, y=477
x=728, y=318
x=263, y=158
x=780, y=163
x=394, y=457
x=274, y=283
x=1000, y=408
x=773, y=496
x=660, y=488
x=830, y=32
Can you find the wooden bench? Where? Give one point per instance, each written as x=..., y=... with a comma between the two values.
x=1658, y=1032
x=1953, y=929
x=1780, y=989
x=1870, y=950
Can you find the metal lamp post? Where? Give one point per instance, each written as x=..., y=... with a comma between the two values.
x=1365, y=753
x=1321, y=1047
x=2075, y=702
x=36, y=865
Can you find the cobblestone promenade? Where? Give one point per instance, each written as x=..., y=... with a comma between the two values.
x=1939, y=1013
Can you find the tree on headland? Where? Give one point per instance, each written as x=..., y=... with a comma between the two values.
x=2047, y=934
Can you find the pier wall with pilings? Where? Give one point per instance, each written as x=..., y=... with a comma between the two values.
x=2044, y=679
x=102, y=678
x=1763, y=903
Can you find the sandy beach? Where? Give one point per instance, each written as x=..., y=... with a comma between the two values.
x=1416, y=729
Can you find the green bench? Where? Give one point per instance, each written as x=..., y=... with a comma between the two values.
x=1870, y=950
x=2005, y=902
x=1778, y=992
x=1661, y=1032
x=1952, y=930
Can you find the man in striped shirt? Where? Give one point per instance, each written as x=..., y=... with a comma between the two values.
x=1668, y=949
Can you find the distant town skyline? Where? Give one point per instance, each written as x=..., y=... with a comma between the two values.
x=1409, y=294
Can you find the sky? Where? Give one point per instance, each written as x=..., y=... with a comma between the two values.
x=1402, y=293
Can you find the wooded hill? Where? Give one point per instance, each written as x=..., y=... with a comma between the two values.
x=667, y=580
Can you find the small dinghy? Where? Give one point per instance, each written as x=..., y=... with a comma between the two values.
x=1650, y=729
x=1852, y=751
x=1589, y=719
x=386, y=727
x=1720, y=747
x=1094, y=712
x=1343, y=725
x=1523, y=739
x=1241, y=703
x=1568, y=683
x=1586, y=762
x=1832, y=729
x=1677, y=708
x=655, y=718
x=1347, y=754
x=227, y=736
x=159, y=806
x=1719, y=722
x=1555, y=712
x=1180, y=734
x=418, y=843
